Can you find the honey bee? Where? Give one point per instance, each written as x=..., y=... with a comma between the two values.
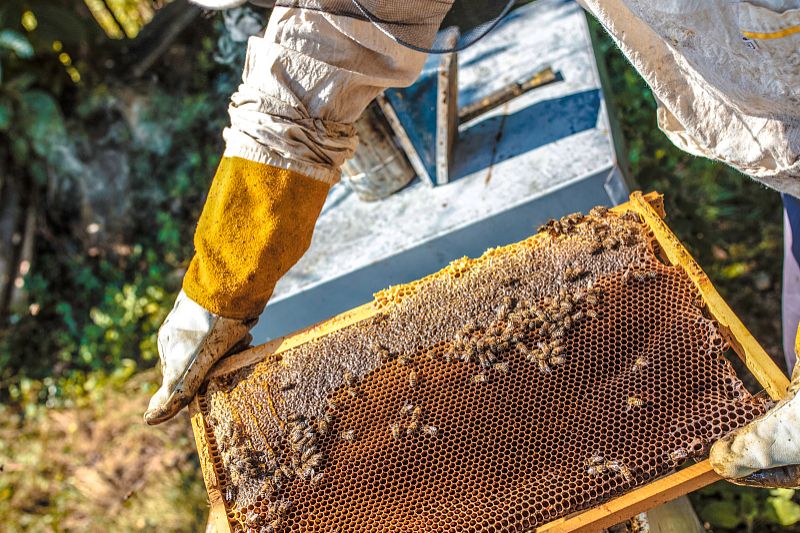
x=317, y=478
x=567, y=322
x=417, y=413
x=574, y=273
x=480, y=378
x=430, y=430
x=413, y=378
x=507, y=337
x=611, y=242
x=626, y=276
x=577, y=316
x=395, y=430
x=558, y=360
x=591, y=313
x=307, y=455
x=644, y=275
x=591, y=298
x=502, y=312
x=407, y=409
x=544, y=368
x=548, y=226
x=632, y=217
x=620, y=468
x=348, y=435
x=278, y=478
x=640, y=363
x=599, y=211
x=223, y=446
x=296, y=435
x=501, y=367
x=333, y=405
x=314, y=460
x=285, y=387
x=413, y=427
x=634, y=402
x=404, y=359
x=286, y=471
x=629, y=238
x=596, y=465
x=678, y=454
x=253, y=518
x=544, y=350
x=284, y=506
x=595, y=247
x=324, y=423
x=349, y=379
x=305, y=472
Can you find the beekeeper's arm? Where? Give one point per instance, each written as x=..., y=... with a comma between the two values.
x=304, y=84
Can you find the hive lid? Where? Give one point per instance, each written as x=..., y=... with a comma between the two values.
x=500, y=394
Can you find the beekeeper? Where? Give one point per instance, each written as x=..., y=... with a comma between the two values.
x=726, y=76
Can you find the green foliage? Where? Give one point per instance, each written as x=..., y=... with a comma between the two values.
x=93, y=307
x=727, y=507
x=782, y=508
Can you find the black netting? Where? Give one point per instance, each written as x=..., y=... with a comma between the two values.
x=416, y=23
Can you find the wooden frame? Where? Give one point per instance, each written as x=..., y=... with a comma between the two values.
x=650, y=208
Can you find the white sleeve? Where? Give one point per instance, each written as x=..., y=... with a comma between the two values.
x=305, y=82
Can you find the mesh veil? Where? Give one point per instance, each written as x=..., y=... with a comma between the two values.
x=415, y=23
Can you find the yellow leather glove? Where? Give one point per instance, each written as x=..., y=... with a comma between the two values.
x=256, y=223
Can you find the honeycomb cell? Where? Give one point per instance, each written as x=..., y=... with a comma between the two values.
x=501, y=393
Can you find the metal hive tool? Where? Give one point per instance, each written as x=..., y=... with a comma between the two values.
x=499, y=394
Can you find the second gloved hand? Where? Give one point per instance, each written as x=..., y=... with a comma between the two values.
x=766, y=452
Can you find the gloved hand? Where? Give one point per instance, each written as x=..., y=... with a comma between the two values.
x=766, y=452
x=190, y=341
x=256, y=223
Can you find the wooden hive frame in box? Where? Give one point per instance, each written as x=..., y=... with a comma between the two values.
x=650, y=208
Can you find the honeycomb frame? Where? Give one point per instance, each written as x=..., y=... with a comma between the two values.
x=650, y=209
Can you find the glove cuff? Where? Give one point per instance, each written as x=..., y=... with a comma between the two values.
x=257, y=222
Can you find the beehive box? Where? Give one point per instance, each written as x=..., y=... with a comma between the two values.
x=557, y=383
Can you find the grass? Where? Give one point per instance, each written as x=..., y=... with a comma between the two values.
x=98, y=467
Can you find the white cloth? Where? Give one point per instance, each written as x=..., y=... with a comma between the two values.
x=726, y=76
x=304, y=84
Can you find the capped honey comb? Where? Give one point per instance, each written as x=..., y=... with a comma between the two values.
x=499, y=394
